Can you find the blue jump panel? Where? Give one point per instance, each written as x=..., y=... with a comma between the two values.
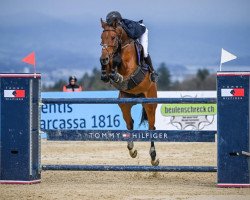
x=19, y=128
x=233, y=129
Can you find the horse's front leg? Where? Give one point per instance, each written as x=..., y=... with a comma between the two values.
x=150, y=110
x=126, y=112
x=104, y=76
x=114, y=75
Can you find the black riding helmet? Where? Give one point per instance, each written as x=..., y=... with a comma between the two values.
x=112, y=16
x=72, y=78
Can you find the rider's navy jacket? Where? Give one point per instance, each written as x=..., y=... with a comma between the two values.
x=132, y=28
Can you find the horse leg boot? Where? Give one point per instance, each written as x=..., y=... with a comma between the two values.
x=152, y=152
x=154, y=75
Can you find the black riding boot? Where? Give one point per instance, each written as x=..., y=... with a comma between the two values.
x=153, y=75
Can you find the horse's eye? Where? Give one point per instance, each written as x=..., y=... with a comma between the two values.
x=113, y=37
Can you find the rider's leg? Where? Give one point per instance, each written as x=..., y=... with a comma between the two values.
x=154, y=75
x=144, y=42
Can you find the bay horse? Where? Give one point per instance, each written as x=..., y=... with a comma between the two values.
x=119, y=61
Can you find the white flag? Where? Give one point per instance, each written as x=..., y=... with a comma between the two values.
x=226, y=56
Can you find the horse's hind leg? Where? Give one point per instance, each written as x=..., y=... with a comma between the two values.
x=150, y=111
x=132, y=151
x=152, y=153
x=126, y=111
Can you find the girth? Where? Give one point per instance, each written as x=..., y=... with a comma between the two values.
x=132, y=81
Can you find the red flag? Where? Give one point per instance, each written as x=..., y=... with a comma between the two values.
x=30, y=59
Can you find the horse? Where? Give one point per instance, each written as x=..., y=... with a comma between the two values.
x=119, y=66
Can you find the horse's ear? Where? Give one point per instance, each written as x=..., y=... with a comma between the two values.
x=104, y=24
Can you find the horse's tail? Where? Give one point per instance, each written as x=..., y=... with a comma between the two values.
x=144, y=117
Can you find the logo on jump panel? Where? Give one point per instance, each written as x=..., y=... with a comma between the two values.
x=232, y=93
x=14, y=94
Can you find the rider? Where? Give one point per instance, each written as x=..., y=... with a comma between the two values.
x=135, y=30
x=72, y=86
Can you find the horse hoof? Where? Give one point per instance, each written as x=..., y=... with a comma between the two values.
x=155, y=162
x=133, y=154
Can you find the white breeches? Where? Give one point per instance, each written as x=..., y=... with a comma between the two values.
x=144, y=42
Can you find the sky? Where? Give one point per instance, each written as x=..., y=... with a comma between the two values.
x=171, y=11
x=181, y=32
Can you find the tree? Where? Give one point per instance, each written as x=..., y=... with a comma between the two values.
x=202, y=74
x=164, y=81
x=94, y=82
x=84, y=81
x=58, y=86
x=202, y=81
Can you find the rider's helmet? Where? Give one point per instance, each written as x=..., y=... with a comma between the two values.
x=72, y=78
x=112, y=16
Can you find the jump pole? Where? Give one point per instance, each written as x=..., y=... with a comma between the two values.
x=129, y=168
x=127, y=100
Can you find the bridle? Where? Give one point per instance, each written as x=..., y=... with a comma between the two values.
x=116, y=46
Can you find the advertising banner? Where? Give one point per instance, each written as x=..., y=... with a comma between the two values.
x=109, y=116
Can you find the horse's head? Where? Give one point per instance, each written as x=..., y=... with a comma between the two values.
x=111, y=38
x=111, y=43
